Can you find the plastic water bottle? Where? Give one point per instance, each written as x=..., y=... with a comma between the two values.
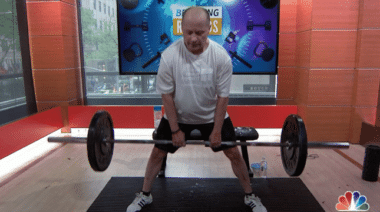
x=263, y=168
x=256, y=170
x=157, y=116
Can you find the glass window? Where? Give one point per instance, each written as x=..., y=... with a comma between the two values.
x=100, y=6
x=105, y=8
x=95, y=4
x=101, y=65
x=12, y=91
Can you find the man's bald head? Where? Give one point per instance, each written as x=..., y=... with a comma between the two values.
x=195, y=27
x=196, y=12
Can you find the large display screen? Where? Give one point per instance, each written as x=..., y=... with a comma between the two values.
x=247, y=29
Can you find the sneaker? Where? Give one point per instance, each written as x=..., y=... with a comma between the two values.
x=161, y=174
x=255, y=203
x=139, y=202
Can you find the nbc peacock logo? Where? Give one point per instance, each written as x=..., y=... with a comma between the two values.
x=352, y=201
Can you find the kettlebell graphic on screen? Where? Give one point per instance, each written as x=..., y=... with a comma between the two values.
x=262, y=50
x=268, y=4
x=130, y=53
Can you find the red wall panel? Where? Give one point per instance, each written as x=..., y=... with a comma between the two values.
x=19, y=134
x=260, y=116
x=122, y=116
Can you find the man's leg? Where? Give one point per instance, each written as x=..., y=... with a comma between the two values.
x=239, y=168
x=233, y=154
x=152, y=168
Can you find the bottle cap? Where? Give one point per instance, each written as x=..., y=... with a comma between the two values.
x=157, y=108
x=255, y=165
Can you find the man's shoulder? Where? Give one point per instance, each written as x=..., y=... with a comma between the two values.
x=173, y=49
x=219, y=50
x=215, y=44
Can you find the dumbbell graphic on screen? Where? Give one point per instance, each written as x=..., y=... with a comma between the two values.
x=128, y=26
x=267, y=25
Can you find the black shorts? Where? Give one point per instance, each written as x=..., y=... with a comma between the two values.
x=164, y=133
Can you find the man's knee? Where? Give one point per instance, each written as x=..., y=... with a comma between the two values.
x=232, y=153
x=158, y=153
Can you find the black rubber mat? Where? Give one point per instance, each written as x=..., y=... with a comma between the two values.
x=206, y=195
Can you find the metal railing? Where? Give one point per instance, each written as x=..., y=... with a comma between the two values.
x=10, y=76
x=5, y=105
x=13, y=96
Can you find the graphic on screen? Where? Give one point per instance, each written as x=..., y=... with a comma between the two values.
x=247, y=29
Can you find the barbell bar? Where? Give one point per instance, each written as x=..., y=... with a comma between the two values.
x=293, y=143
x=314, y=145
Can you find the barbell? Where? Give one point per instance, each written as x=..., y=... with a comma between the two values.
x=100, y=143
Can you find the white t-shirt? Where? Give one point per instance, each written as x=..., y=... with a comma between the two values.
x=196, y=80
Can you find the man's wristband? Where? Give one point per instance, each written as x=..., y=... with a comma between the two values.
x=176, y=131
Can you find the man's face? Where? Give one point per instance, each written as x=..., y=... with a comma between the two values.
x=195, y=31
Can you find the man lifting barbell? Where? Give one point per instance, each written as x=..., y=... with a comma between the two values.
x=194, y=80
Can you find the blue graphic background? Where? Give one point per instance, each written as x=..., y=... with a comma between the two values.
x=159, y=16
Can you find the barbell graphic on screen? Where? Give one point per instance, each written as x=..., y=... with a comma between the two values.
x=163, y=38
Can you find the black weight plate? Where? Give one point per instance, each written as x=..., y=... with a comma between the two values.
x=294, y=157
x=100, y=153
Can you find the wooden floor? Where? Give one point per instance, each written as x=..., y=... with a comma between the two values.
x=63, y=180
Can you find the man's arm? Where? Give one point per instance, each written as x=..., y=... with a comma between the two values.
x=220, y=113
x=178, y=138
x=170, y=110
